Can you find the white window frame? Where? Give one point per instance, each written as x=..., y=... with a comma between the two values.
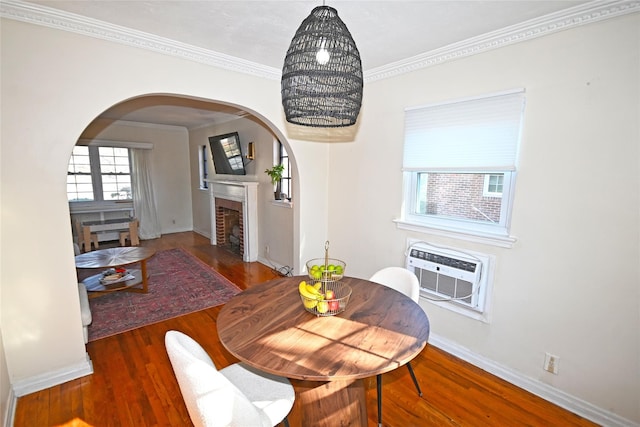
x=472, y=230
x=411, y=216
x=102, y=174
x=487, y=182
x=97, y=174
x=75, y=174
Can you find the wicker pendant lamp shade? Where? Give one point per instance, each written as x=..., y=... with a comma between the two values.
x=322, y=73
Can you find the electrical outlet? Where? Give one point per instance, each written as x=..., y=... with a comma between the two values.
x=551, y=362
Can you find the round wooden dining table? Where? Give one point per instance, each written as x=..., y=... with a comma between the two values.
x=381, y=329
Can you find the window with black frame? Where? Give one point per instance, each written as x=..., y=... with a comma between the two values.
x=283, y=157
x=202, y=161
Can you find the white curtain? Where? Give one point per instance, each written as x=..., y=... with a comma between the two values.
x=144, y=201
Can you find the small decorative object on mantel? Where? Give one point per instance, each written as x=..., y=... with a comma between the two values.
x=275, y=173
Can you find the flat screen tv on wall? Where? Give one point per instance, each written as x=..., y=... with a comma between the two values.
x=227, y=154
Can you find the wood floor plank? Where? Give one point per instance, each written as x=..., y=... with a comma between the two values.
x=133, y=383
x=37, y=414
x=98, y=389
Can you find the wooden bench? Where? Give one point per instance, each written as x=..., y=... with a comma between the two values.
x=127, y=228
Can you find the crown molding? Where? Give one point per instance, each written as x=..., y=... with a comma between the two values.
x=569, y=18
x=53, y=18
x=145, y=125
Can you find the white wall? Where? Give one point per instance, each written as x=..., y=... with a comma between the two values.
x=570, y=285
x=170, y=167
x=47, y=103
x=577, y=191
x=275, y=223
x=5, y=389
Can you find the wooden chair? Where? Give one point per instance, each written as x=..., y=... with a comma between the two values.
x=405, y=281
x=237, y=395
x=85, y=246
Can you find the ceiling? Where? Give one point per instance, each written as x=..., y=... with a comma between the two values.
x=385, y=32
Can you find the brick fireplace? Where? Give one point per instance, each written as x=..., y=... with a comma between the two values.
x=229, y=225
x=234, y=217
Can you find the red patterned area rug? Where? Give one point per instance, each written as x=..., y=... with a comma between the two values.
x=179, y=283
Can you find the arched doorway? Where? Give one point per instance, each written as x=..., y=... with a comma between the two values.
x=177, y=128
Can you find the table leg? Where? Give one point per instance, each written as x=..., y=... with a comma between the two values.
x=86, y=236
x=143, y=268
x=133, y=233
x=329, y=404
x=144, y=280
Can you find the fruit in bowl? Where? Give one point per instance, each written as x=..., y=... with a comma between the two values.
x=332, y=302
x=322, y=307
x=315, y=272
x=324, y=298
x=326, y=269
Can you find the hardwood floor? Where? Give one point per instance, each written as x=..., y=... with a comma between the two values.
x=133, y=382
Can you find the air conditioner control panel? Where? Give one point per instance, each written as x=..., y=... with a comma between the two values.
x=446, y=264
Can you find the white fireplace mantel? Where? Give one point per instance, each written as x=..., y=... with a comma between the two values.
x=245, y=192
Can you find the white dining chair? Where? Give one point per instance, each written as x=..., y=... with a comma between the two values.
x=235, y=396
x=405, y=281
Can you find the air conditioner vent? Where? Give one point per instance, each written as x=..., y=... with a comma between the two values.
x=448, y=275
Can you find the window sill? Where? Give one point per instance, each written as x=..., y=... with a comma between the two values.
x=282, y=204
x=100, y=205
x=470, y=236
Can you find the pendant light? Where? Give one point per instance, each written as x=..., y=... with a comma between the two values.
x=322, y=73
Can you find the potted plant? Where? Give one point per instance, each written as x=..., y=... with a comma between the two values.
x=275, y=173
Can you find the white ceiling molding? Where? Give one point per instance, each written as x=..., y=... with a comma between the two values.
x=53, y=18
x=144, y=125
x=566, y=19
x=119, y=144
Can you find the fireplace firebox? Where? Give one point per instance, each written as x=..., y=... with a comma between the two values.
x=229, y=225
x=234, y=217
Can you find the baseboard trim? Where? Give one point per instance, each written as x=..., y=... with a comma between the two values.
x=204, y=233
x=10, y=409
x=545, y=391
x=172, y=230
x=53, y=378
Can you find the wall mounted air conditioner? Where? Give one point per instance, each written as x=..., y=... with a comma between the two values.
x=448, y=275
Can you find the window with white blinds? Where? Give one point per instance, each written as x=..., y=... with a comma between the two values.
x=460, y=160
x=473, y=134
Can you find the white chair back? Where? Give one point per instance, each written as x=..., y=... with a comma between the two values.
x=400, y=279
x=211, y=399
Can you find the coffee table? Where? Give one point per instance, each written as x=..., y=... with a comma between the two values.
x=114, y=258
x=381, y=329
